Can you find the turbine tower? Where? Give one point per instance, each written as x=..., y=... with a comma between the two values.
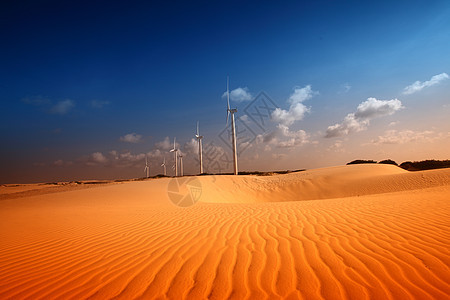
x=175, y=152
x=233, y=129
x=164, y=165
x=200, y=157
x=146, y=169
x=181, y=164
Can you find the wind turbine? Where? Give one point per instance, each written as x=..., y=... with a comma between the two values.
x=233, y=128
x=199, y=140
x=146, y=169
x=164, y=165
x=181, y=164
x=175, y=152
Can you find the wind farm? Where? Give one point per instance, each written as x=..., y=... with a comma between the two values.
x=329, y=179
x=178, y=155
x=330, y=233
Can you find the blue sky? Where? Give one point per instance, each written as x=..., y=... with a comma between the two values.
x=77, y=77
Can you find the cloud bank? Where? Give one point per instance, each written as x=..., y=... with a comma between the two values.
x=360, y=120
x=407, y=136
x=131, y=138
x=418, y=85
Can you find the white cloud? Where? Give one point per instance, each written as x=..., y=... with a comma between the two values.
x=338, y=146
x=349, y=125
x=418, y=85
x=129, y=157
x=373, y=108
x=215, y=159
x=98, y=157
x=297, y=109
x=99, y=103
x=156, y=153
x=245, y=119
x=239, y=94
x=407, y=136
x=62, y=107
x=165, y=144
x=191, y=146
x=301, y=94
x=282, y=137
x=211, y=151
x=360, y=120
x=245, y=145
x=124, y=159
x=131, y=138
x=392, y=124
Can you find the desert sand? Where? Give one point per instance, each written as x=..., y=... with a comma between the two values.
x=355, y=232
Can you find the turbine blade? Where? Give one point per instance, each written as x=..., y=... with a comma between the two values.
x=228, y=97
x=197, y=130
x=228, y=93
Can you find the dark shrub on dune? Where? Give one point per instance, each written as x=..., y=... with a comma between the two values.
x=361, y=161
x=388, y=161
x=425, y=165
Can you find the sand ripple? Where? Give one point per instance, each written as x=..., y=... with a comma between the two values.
x=384, y=246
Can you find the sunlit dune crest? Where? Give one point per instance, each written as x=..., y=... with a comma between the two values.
x=357, y=232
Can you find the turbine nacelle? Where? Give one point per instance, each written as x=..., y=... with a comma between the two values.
x=174, y=146
x=198, y=136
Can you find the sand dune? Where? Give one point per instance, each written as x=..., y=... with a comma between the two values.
x=356, y=232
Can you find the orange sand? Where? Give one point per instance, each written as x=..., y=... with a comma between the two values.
x=356, y=232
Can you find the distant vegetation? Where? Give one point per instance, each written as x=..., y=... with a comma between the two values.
x=408, y=165
x=388, y=161
x=361, y=161
x=425, y=165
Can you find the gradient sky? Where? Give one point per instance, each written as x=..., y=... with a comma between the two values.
x=88, y=88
